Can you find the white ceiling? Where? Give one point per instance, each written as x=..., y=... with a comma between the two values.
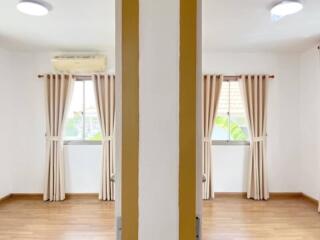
x=228, y=25
x=73, y=25
x=237, y=25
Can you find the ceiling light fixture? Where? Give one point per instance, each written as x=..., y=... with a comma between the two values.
x=286, y=7
x=34, y=7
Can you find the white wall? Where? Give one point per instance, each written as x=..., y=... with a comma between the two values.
x=28, y=163
x=309, y=123
x=230, y=162
x=159, y=120
x=83, y=168
x=21, y=140
x=230, y=168
x=7, y=128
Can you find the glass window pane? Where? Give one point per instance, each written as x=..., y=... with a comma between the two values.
x=221, y=127
x=238, y=128
x=238, y=124
x=223, y=105
x=221, y=122
x=92, y=127
x=74, y=122
x=236, y=101
x=230, y=106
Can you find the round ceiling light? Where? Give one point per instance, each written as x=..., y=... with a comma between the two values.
x=286, y=7
x=34, y=7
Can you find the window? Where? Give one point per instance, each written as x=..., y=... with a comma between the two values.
x=82, y=122
x=230, y=124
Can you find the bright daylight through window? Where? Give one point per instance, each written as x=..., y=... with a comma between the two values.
x=230, y=121
x=82, y=121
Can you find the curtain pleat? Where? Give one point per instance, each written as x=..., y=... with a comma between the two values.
x=58, y=93
x=211, y=92
x=254, y=88
x=104, y=87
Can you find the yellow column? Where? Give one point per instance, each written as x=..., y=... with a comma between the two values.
x=130, y=118
x=187, y=119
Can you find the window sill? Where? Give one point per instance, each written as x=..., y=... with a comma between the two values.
x=231, y=143
x=82, y=142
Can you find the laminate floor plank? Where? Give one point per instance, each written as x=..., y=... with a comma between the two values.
x=74, y=219
x=232, y=218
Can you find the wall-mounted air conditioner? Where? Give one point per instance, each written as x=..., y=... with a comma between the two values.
x=79, y=64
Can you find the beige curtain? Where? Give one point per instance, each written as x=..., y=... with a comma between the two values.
x=58, y=93
x=211, y=91
x=104, y=87
x=254, y=89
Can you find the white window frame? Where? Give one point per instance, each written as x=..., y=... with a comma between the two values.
x=83, y=141
x=229, y=142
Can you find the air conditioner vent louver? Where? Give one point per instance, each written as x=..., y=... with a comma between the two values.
x=79, y=64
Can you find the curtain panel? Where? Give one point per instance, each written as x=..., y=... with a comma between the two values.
x=210, y=92
x=104, y=88
x=254, y=89
x=58, y=93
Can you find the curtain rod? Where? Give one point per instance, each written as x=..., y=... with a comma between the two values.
x=236, y=77
x=226, y=77
x=76, y=75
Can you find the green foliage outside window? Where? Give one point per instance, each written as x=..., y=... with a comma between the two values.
x=72, y=129
x=236, y=132
x=96, y=137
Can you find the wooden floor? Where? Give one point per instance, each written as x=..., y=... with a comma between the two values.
x=74, y=219
x=228, y=218
x=224, y=218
